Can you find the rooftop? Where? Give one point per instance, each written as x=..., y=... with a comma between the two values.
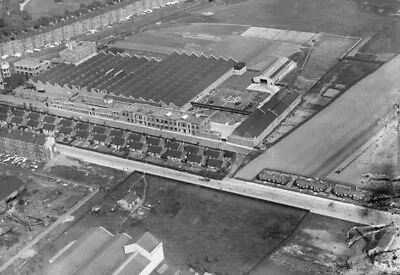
x=28, y=62
x=8, y=185
x=173, y=81
x=99, y=252
x=39, y=139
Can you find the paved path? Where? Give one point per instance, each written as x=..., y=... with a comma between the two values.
x=318, y=205
x=324, y=141
x=59, y=221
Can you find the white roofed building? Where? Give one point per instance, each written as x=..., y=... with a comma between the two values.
x=276, y=71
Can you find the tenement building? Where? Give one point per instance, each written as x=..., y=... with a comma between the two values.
x=35, y=147
x=78, y=52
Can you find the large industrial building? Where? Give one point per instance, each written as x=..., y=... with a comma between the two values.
x=31, y=66
x=78, y=52
x=100, y=252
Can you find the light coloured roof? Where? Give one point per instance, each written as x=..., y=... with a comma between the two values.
x=148, y=242
x=133, y=265
x=28, y=62
x=80, y=252
x=110, y=255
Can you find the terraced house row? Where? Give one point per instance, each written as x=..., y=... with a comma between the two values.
x=65, y=30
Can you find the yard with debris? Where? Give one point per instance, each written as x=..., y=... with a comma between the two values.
x=43, y=202
x=200, y=228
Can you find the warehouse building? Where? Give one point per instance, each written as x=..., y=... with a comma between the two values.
x=30, y=66
x=252, y=131
x=26, y=144
x=276, y=71
x=78, y=52
x=100, y=252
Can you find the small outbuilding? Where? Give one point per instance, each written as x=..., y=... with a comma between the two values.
x=130, y=201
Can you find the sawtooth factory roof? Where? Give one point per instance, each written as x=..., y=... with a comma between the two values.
x=174, y=80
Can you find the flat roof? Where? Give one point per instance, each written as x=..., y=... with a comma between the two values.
x=148, y=242
x=28, y=62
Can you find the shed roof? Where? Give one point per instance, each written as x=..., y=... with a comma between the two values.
x=8, y=185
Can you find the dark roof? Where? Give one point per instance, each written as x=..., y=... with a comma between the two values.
x=29, y=137
x=82, y=126
x=280, y=101
x=49, y=119
x=217, y=163
x=142, y=80
x=17, y=120
x=82, y=134
x=8, y=185
x=117, y=141
x=116, y=133
x=48, y=127
x=99, y=129
x=194, y=158
x=154, y=149
x=33, y=116
x=136, y=145
x=148, y=242
x=4, y=109
x=174, y=154
x=254, y=124
x=99, y=137
x=211, y=153
x=33, y=123
x=239, y=65
x=65, y=130
x=153, y=140
x=192, y=149
x=3, y=117
x=18, y=112
x=172, y=144
x=135, y=137
x=65, y=122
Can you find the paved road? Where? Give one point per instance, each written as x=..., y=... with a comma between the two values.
x=59, y=221
x=318, y=205
x=327, y=139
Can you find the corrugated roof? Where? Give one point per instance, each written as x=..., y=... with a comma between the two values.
x=109, y=256
x=80, y=252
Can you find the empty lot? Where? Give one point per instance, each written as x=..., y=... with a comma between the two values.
x=320, y=144
x=342, y=17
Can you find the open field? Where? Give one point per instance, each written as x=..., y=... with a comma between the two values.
x=338, y=16
x=201, y=228
x=44, y=198
x=216, y=31
x=320, y=144
x=39, y=8
x=378, y=156
x=316, y=247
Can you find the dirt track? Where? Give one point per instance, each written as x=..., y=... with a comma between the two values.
x=328, y=138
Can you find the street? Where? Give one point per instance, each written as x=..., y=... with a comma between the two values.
x=318, y=205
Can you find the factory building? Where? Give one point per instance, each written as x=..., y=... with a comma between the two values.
x=276, y=71
x=31, y=66
x=78, y=52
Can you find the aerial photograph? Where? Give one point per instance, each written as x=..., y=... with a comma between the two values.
x=200, y=137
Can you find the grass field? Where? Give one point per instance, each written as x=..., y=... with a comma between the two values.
x=316, y=247
x=201, y=228
x=319, y=145
x=40, y=8
x=337, y=16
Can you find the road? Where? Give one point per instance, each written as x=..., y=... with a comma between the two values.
x=59, y=221
x=323, y=142
x=318, y=205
